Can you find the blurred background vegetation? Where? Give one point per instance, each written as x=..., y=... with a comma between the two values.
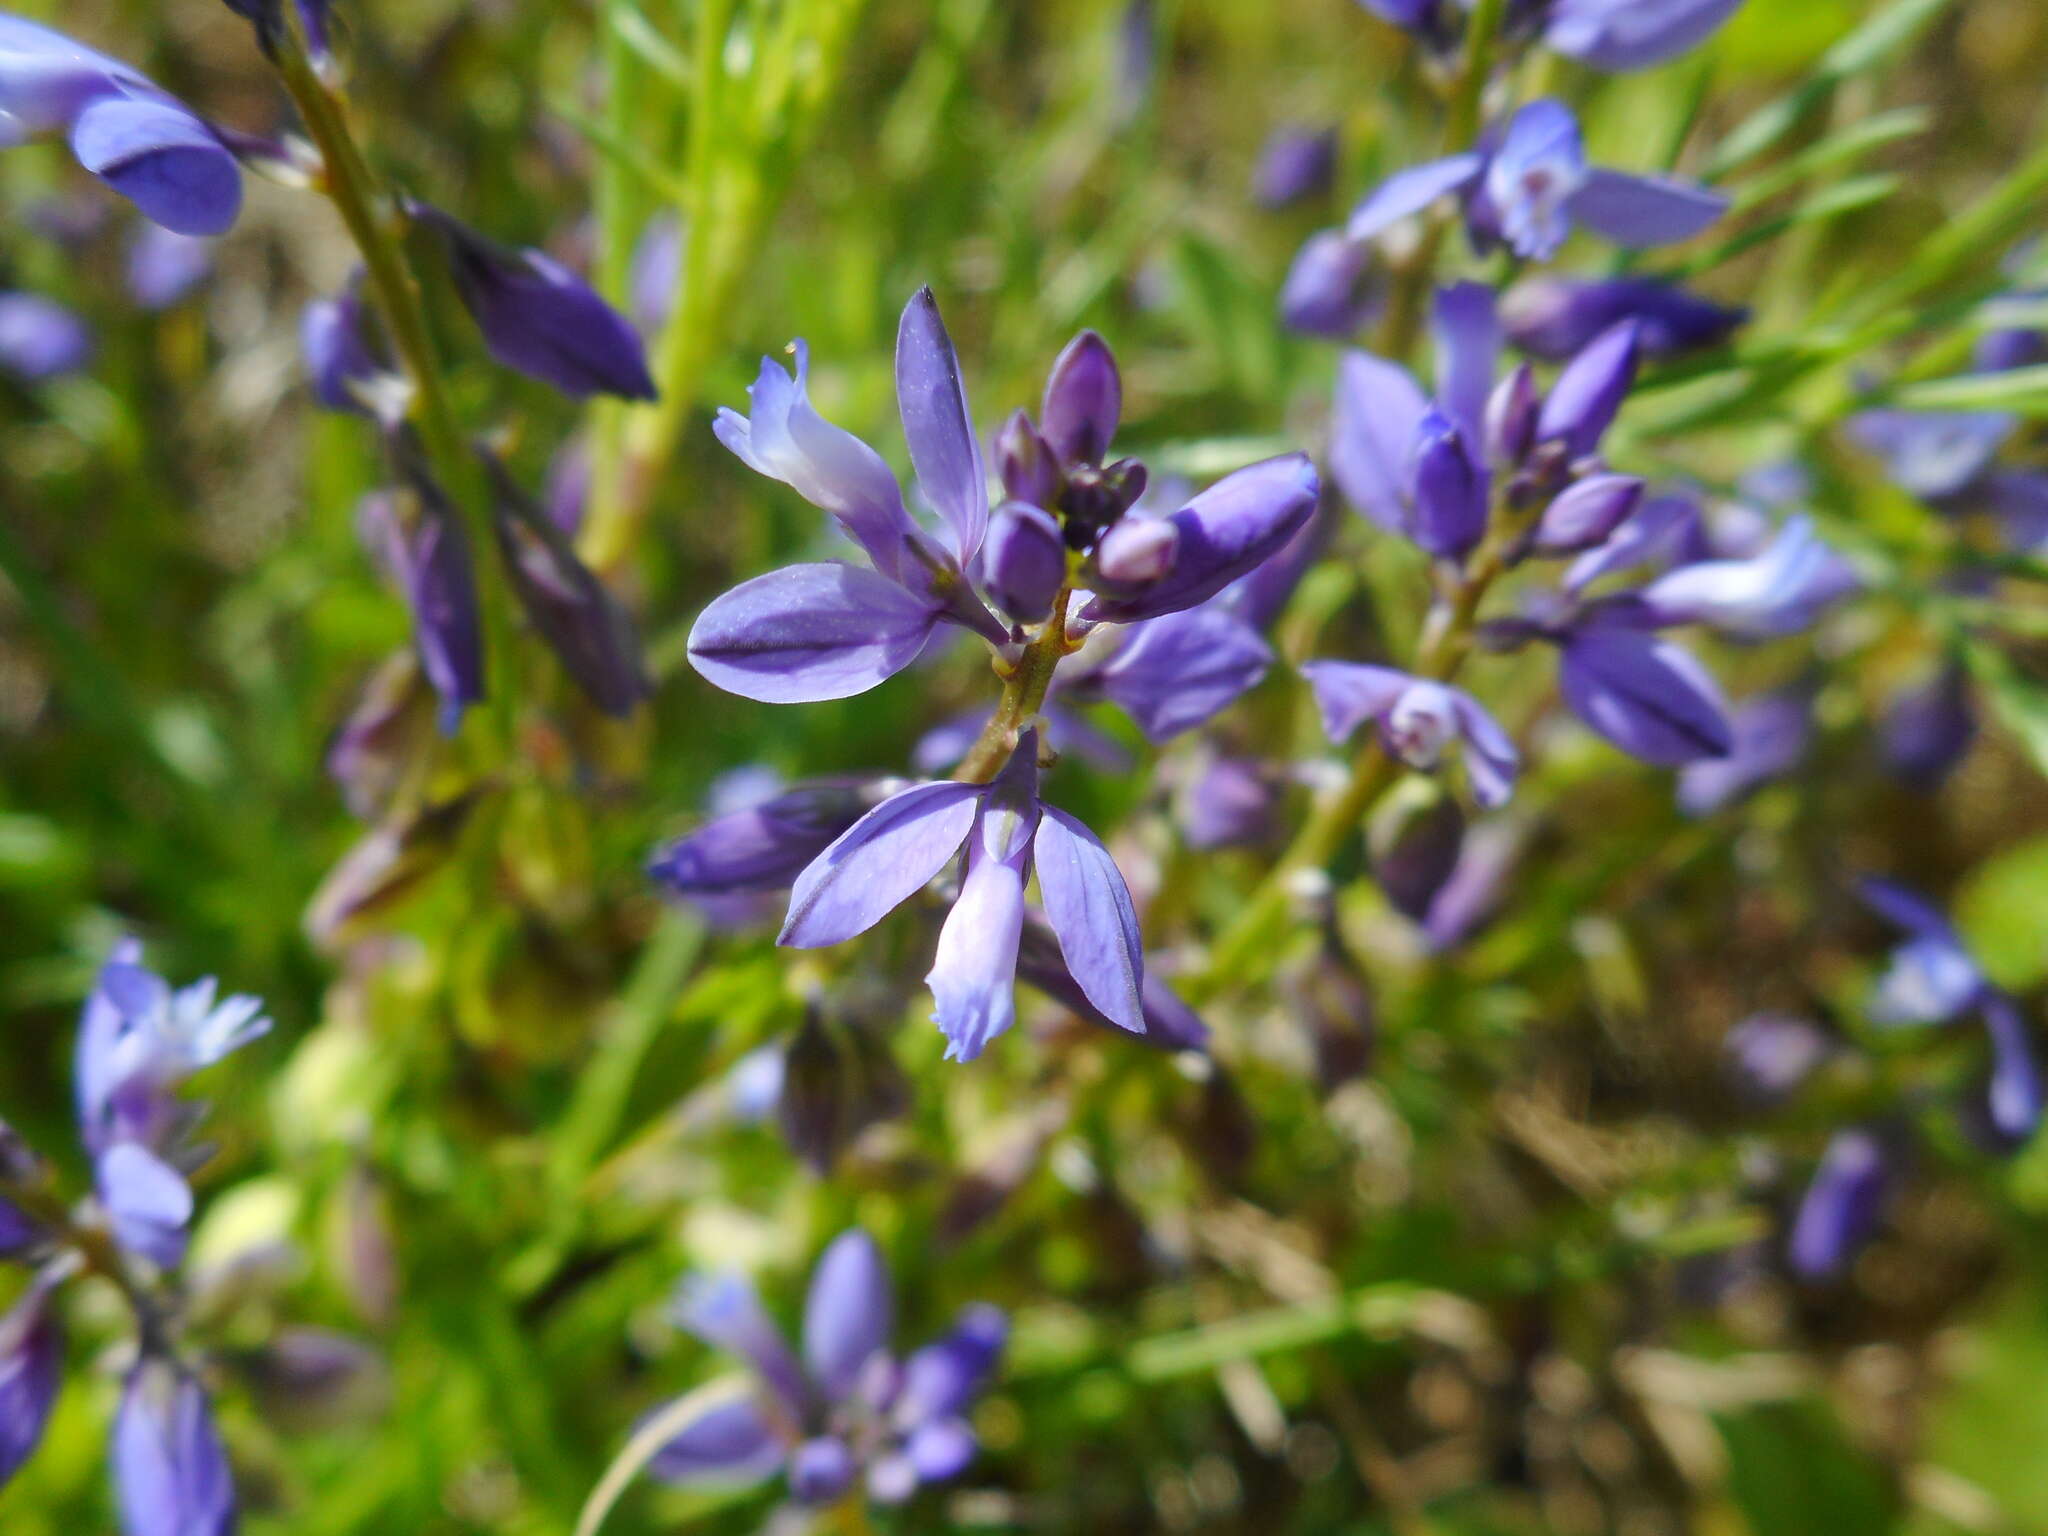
x=1505, y=1281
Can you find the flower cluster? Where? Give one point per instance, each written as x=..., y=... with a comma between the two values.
x=138, y=1042
x=849, y=1414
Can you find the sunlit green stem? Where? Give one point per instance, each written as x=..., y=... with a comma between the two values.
x=1405, y=304
x=1024, y=690
x=375, y=223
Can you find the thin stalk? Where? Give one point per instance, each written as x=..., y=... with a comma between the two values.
x=1403, y=319
x=1024, y=690
x=1446, y=643
x=96, y=1251
x=375, y=224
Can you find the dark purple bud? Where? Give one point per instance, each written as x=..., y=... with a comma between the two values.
x=383, y=738
x=765, y=846
x=1450, y=490
x=435, y=572
x=1648, y=697
x=31, y=1371
x=163, y=267
x=540, y=318
x=1023, y=561
x=1842, y=1206
x=1587, y=396
x=1587, y=514
x=1137, y=550
x=1511, y=412
x=1228, y=802
x=1222, y=1134
x=41, y=339
x=1326, y=293
x=1415, y=846
x=1029, y=472
x=1556, y=317
x=586, y=627
x=1226, y=531
x=566, y=491
x=2013, y=1092
x=837, y=1081
x=1084, y=397
x=171, y=1474
x=1929, y=729
x=1771, y=1054
x=1296, y=164
x=820, y=1470
x=2003, y=351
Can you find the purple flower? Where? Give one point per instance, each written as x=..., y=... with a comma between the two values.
x=1842, y=1206
x=1771, y=734
x=165, y=267
x=140, y=140
x=1587, y=514
x=1170, y=1024
x=1296, y=164
x=1554, y=317
x=1933, y=979
x=588, y=629
x=1228, y=802
x=1771, y=1054
x=1326, y=292
x=40, y=339
x=1644, y=694
x=851, y=1405
x=1174, y=673
x=431, y=564
x=1621, y=35
x=1777, y=591
x=901, y=845
x=31, y=1371
x=346, y=373
x=1024, y=562
x=1529, y=183
x=541, y=319
x=171, y=1475
x=1418, y=720
x=765, y=845
x=1468, y=899
x=1928, y=729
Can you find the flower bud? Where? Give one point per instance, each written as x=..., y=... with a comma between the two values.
x=31, y=1371
x=1555, y=317
x=1295, y=165
x=1023, y=561
x=1415, y=844
x=310, y=1378
x=1026, y=465
x=1587, y=396
x=1928, y=729
x=346, y=374
x=1450, y=490
x=540, y=318
x=820, y=1470
x=1229, y=802
x=1137, y=550
x=1511, y=412
x=1325, y=293
x=1841, y=1208
x=1587, y=513
x=1083, y=399
x=763, y=846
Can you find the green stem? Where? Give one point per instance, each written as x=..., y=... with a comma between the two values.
x=375, y=223
x=1024, y=690
x=96, y=1250
x=1403, y=319
x=1446, y=644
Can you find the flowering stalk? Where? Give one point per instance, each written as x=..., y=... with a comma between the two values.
x=368, y=211
x=1024, y=690
x=1461, y=127
x=1446, y=642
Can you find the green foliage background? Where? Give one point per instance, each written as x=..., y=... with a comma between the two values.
x=1450, y=1297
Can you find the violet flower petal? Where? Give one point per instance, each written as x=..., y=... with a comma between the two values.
x=1622, y=35
x=1377, y=411
x=163, y=159
x=938, y=425
x=1467, y=329
x=725, y=1312
x=878, y=863
x=848, y=1314
x=1647, y=696
x=810, y=632
x=1533, y=176
x=1178, y=672
x=1090, y=910
x=171, y=1474
x=973, y=979
x=1083, y=400
x=1408, y=192
x=1637, y=211
x=730, y=1444
x=31, y=1371
x=1841, y=1208
x=1348, y=694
